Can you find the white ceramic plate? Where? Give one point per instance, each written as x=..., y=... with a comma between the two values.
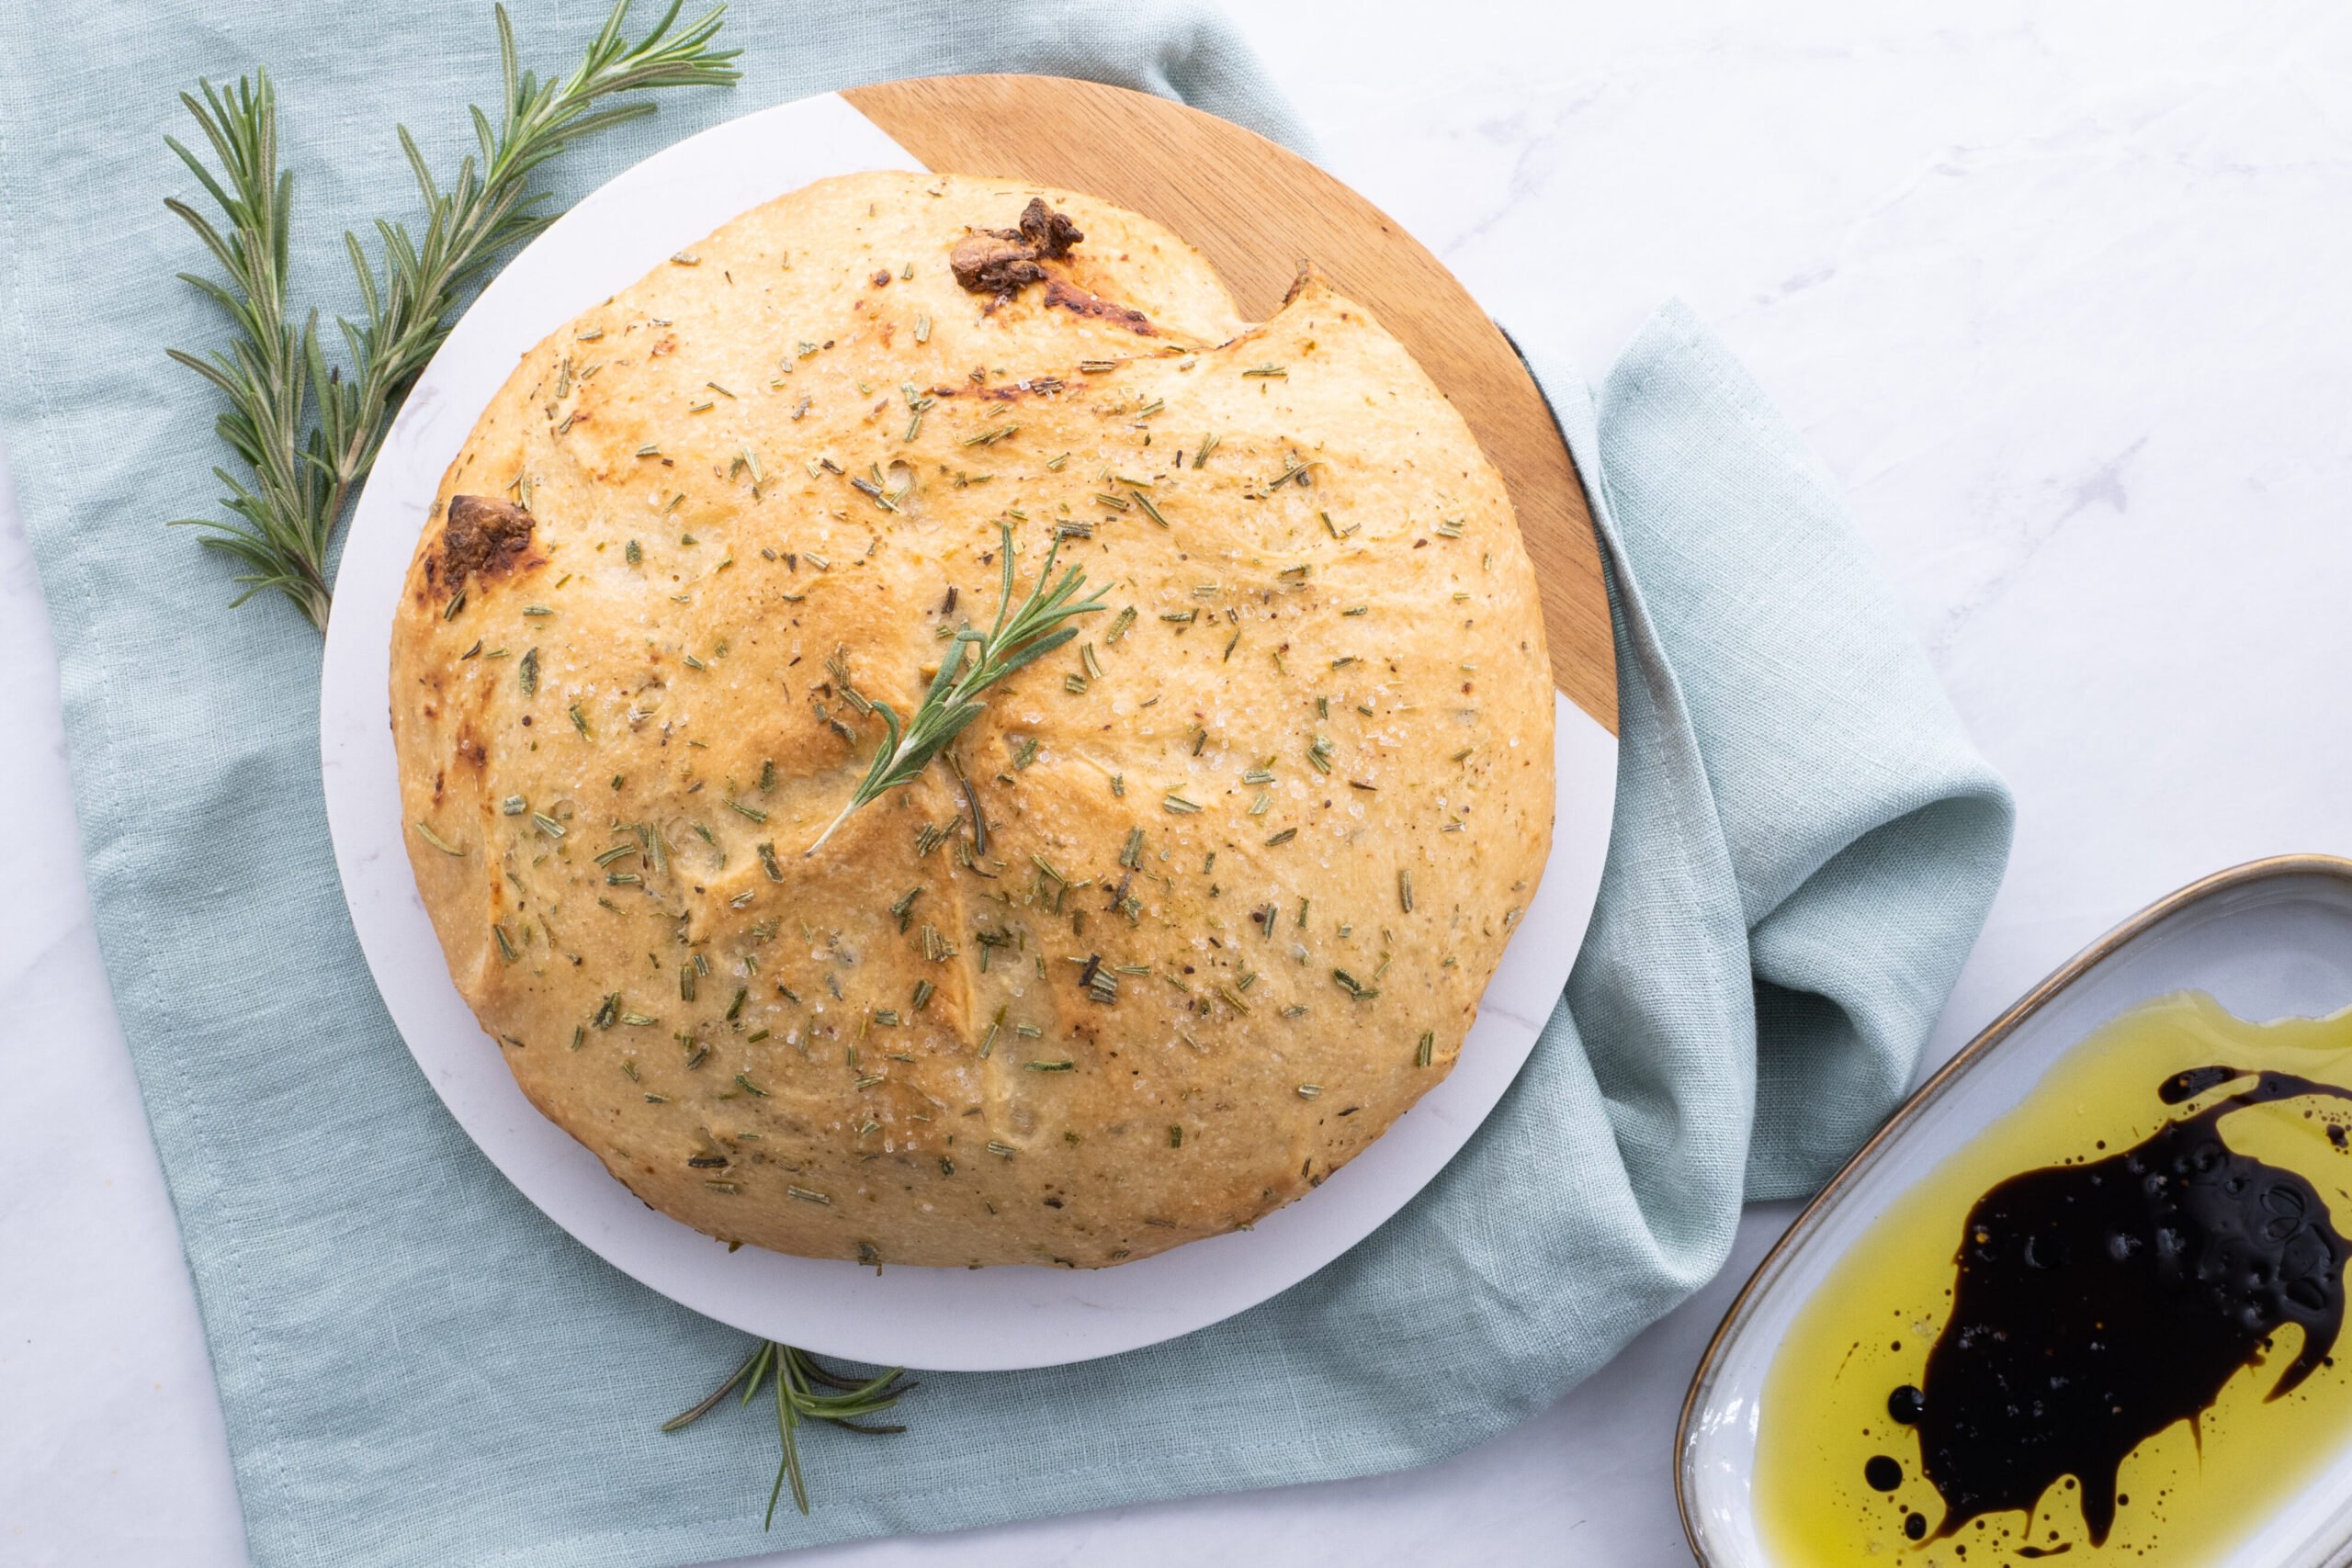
x=945, y=1320
x=2268, y=940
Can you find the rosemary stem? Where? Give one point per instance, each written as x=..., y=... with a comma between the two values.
x=786, y=1422
x=898, y=759
x=847, y=807
x=971, y=801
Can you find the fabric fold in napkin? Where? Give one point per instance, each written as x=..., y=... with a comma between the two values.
x=416, y=1366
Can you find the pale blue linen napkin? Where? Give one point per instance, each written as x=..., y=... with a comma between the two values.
x=416, y=1368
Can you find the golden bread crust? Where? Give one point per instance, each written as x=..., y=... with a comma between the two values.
x=1251, y=839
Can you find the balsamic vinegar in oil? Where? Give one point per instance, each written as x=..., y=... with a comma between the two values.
x=2105, y=1329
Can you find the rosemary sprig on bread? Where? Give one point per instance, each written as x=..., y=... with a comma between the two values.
x=1020, y=636
x=305, y=432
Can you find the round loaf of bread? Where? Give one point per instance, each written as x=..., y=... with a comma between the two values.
x=1199, y=905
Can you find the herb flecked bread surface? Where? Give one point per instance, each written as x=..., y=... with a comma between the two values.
x=1199, y=906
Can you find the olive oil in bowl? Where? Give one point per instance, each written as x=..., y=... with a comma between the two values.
x=2104, y=1329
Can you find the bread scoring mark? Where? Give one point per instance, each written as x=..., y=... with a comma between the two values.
x=483, y=539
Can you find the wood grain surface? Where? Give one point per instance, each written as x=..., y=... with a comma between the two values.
x=1258, y=210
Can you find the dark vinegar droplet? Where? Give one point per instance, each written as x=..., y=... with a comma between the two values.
x=1904, y=1405
x=1883, y=1474
x=1914, y=1526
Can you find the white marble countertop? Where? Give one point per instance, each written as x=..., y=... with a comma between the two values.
x=2057, y=290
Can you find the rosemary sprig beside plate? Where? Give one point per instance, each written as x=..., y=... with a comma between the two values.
x=798, y=1379
x=1022, y=634
x=304, y=431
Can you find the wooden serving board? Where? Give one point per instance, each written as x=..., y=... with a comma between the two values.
x=1257, y=210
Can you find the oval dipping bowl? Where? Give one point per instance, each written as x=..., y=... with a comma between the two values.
x=2268, y=940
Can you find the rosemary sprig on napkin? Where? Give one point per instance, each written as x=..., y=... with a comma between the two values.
x=1023, y=632
x=799, y=1377
x=305, y=432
